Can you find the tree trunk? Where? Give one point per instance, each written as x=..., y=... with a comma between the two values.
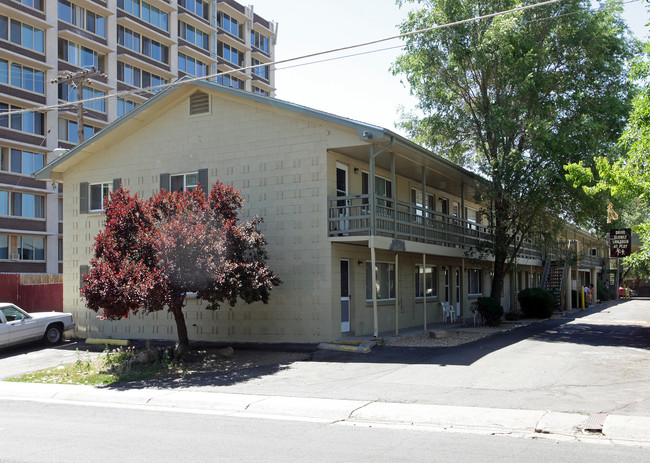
x=183, y=340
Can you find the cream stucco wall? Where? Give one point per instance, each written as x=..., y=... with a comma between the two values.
x=278, y=161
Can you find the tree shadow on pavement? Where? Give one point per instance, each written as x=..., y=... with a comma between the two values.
x=569, y=329
x=212, y=370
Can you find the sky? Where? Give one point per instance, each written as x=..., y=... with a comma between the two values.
x=358, y=87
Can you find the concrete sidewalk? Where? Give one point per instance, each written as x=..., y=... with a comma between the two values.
x=628, y=430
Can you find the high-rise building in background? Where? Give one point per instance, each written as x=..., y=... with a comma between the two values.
x=121, y=45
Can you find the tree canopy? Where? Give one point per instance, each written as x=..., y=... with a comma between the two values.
x=627, y=178
x=515, y=97
x=153, y=252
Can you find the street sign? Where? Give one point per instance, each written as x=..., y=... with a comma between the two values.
x=620, y=242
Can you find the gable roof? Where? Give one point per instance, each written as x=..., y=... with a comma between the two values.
x=367, y=132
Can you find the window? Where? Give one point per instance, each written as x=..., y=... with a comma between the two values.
x=472, y=215
x=182, y=182
x=383, y=187
x=230, y=24
x=82, y=18
x=416, y=198
x=68, y=93
x=68, y=131
x=230, y=54
x=36, y=4
x=260, y=41
x=141, y=44
x=4, y=246
x=193, y=35
x=430, y=273
x=22, y=205
x=20, y=76
x=78, y=55
x=60, y=250
x=21, y=34
x=19, y=161
x=444, y=205
x=475, y=281
x=260, y=91
x=385, y=288
x=198, y=7
x=30, y=121
x=192, y=66
x=261, y=69
x=31, y=247
x=230, y=81
x=136, y=77
x=99, y=193
x=124, y=106
x=60, y=207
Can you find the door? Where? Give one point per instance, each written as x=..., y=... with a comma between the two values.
x=343, y=205
x=21, y=326
x=345, y=296
x=457, y=291
x=4, y=332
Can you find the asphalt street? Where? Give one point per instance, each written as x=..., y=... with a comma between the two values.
x=544, y=379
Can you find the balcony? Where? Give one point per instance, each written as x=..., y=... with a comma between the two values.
x=350, y=216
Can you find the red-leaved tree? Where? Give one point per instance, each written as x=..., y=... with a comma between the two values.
x=153, y=252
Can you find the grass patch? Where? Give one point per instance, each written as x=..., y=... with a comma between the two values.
x=111, y=367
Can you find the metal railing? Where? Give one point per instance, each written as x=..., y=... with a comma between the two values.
x=352, y=216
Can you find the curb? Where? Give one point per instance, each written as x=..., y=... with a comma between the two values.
x=540, y=423
x=362, y=348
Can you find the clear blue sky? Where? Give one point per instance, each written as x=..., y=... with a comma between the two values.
x=360, y=87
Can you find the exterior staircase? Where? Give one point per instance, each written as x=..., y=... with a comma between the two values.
x=553, y=281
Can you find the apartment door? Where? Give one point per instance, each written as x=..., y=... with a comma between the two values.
x=342, y=191
x=345, y=295
x=457, y=283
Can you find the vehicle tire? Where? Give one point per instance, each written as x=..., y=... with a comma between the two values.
x=53, y=335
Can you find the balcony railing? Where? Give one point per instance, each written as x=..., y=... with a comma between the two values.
x=352, y=216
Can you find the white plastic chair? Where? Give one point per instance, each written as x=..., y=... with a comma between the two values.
x=448, y=313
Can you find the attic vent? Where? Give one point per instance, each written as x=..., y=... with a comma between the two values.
x=199, y=103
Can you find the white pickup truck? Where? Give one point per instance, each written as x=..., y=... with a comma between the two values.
x=18, y=326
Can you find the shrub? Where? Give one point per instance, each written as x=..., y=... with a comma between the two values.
x=536, y=302
x=490, y=309
x=603, y=293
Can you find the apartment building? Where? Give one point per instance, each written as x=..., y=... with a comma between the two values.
x=123, y=45
x=367, y=230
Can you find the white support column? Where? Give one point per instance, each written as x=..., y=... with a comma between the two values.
x=373, y=265
x=424, y=289
x=396, y=294
x=568, y=287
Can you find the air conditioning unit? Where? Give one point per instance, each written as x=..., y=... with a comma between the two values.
x=14, y=256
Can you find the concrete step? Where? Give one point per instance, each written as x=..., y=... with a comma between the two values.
x=354, y=346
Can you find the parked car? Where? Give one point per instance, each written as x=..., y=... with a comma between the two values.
x=18, y=326
x=631, y=292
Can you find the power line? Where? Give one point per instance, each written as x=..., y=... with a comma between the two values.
x=289, y=60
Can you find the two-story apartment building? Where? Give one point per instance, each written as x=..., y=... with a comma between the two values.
x=367, y=230
x=132, y=45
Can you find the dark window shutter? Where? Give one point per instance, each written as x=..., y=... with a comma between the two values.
x=164, y=182
x=83, y=198
x=83, y=270
x=117, y=183
x=203, y=180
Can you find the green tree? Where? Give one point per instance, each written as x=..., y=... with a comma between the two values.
x=627, y=178
x=515, y=97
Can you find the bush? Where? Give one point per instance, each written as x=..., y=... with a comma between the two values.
x=490, y=309
x=603, y=293
x=536, y=302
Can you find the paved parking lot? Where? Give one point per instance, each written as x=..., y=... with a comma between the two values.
x=22, y=359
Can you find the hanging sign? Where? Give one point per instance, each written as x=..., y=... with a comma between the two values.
x=620, y=242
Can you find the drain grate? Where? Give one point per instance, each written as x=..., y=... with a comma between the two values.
x=595, y=422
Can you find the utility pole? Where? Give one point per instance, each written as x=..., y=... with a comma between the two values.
x=77, y=80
